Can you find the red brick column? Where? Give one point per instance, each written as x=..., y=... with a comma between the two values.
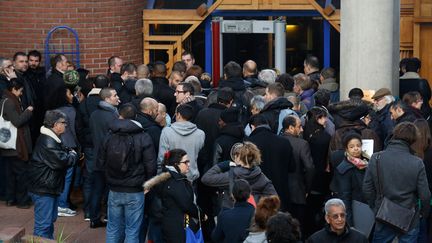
x=105, y=28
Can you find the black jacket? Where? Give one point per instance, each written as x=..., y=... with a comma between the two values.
x=86, y=108
x=55, y=90
x=326, y=235
x=48, y=165
x=151, y=127
x=100, y=120
x=272, y=109
x=420, y=85
x=382, y=124
x=177, y=198
x=127, y=91
x=207, y=120
x=229, y=135
x=300, y=181
x=277, y=160
x=141, y=168
x=349, y=181
x=164, y=94
x=403, y=179
x=28, y=97
x=232, y=224
x=116, y=82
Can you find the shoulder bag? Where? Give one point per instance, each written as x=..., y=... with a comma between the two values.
x=391, y=213
x=8, y=132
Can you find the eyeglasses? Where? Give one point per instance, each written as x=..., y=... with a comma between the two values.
x=336, y=216
x=185, y=162
x=63, y=122
x=180, y=91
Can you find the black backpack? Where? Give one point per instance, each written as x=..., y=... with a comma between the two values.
x=120, y=153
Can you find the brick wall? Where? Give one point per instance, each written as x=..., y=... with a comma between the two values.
x=104, y=27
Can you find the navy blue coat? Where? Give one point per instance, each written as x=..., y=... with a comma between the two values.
x=233, y=223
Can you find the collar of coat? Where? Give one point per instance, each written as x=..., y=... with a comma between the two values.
x=50, y=133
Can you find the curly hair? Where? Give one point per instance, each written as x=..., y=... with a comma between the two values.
x=283, y=228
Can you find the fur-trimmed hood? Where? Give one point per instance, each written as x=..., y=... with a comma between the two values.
x=350, y=109
x=148, y=185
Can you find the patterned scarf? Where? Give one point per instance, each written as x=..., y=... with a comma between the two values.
x=361, y=164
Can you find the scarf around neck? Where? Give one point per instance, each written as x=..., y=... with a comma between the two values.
x=361, y=164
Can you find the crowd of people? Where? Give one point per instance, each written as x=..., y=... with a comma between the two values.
x=262, y=157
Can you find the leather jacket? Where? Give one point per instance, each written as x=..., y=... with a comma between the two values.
x=48, y=165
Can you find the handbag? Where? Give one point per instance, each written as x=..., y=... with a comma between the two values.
x=8, y=132
x=191, y=236
x=391, y=213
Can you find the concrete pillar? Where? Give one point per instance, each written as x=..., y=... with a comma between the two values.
x=280, y=45
x=369, y=42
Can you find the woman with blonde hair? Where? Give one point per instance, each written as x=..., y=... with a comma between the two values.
x=245, y=165
x=266, y=207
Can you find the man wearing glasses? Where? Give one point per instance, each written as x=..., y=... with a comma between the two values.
x=336, y=229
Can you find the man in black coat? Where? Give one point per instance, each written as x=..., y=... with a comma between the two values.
x=300, y=181
x=146, y=117
x=162, y=92
x=126, y=197
x=276, y=106
x=231, y=132
x=277, y=157
x=54, y=86
x=86, y=108
x=100, y=120
x=207, y=120
x=36, y=77
x=114, y=66
x=336, y=229
x=411, y=81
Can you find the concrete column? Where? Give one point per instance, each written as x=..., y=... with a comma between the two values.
x=280, y=45
x=369, y=42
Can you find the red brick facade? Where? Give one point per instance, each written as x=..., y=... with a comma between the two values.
x=105, y=28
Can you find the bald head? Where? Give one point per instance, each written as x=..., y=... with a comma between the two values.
x=249, y=68
x=149, y=106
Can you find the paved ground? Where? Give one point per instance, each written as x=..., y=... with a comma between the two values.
x=75, y=227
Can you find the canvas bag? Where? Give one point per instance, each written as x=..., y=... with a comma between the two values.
x=8, y=132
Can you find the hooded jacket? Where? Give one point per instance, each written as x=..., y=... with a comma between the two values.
x=260, y=184
x=182, y=135
x=177, y=200
x=100, y=120
x=151, y=127
x=143, y=165
x=272, y=110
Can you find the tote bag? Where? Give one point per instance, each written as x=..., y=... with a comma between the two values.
x=8, y=132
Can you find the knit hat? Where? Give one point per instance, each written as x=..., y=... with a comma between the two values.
x=229, y=115
x=381, y=93
x=71, y=78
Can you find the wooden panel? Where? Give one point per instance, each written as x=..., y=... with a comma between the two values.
x=237, y=2
x=426, y=51
x=170, y=14
x=426, y=9
x=406, y=30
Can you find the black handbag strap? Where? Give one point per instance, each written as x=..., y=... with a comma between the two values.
x=380, y=193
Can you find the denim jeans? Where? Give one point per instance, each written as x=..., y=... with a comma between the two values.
x=88, y=178
x=384, y=233
x=155, y=231
x=45, y=214
x=125, y=216
x=63, y=198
